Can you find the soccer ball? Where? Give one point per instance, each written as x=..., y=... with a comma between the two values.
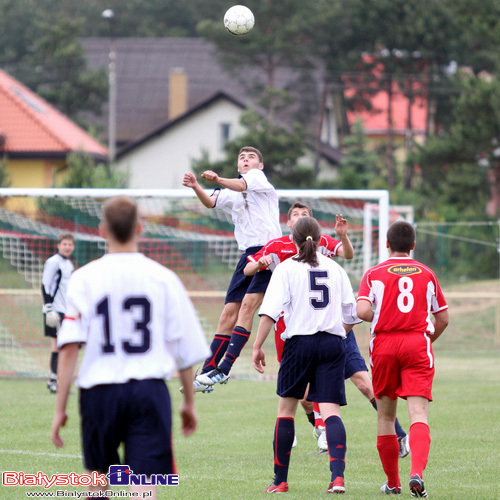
x=239, y=20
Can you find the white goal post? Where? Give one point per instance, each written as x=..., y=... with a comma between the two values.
x=179, y=232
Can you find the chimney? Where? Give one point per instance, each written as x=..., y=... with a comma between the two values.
x=177, y=99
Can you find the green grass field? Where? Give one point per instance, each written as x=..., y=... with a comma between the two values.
x=230, y=456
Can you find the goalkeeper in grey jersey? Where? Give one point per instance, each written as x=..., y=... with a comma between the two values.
x=56, y=272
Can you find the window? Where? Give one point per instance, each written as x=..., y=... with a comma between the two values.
x=225, y=133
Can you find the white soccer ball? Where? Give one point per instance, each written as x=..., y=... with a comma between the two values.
x=239, y=20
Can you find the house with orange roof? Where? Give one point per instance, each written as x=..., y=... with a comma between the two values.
x=35, y=138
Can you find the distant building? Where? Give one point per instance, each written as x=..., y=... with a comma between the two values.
x=35, y=138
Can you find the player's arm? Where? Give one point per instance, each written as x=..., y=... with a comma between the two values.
x=441, y=320
x=346, y=250
x=253, y=267
x=68, y=356
x=364, y=310
x=238, y=184
x=50, y=269
x=258, y=356
x=191, y=182
x=189, y=418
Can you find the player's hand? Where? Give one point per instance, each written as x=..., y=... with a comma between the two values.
x=265, y=260
x=52, y=318
x=47, y=308
x=189, y=419
x=58, y=422
x=189, y=180
x=210, y=176
x=340, y=225
x=258, y=359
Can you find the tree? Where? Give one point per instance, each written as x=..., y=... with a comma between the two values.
x=462, y=164
x=360, y=168
x=420, y=43
x=83, y=172
x=61, y=76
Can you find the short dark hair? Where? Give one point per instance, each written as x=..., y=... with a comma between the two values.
x=299, y=204
x=306, y=233
x=255, y=150
x=401, y=236
x=121, y=218
x=65, y=236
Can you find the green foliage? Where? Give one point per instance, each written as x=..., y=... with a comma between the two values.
x=83, y=172
x=4, y=176
x=360, y=168
x=62, y=77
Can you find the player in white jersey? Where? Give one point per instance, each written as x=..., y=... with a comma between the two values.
x=56, y=273
x=404, y=294
x=252, y=202
x=139, y=325
x=319, y=305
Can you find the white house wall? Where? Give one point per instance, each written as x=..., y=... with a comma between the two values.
x=162, y=161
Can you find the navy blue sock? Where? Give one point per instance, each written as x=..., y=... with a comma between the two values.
x=238, y=340
x=310, y=417
x=218, y=347
x=53, y=361
x=284, y=433
x=399, y=430
x=337, y=445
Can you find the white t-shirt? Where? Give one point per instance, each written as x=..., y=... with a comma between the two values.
x=56, y=273
x=136, y=319
x=255, y=212
x=314, y=299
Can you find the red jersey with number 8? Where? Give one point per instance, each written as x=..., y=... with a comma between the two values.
x=405, y=293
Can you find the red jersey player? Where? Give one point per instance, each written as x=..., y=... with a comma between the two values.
x=404, y=294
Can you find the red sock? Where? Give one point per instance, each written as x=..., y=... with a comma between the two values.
x=388, y=450
x=318, y=420
x=420, y=444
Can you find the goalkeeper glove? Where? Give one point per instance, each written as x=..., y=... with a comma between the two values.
x=52, y=318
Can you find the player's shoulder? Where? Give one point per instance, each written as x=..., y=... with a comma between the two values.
x=278, y=243
x=54, y=259
x=326, y=261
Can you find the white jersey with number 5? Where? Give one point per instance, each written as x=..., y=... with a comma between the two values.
x=405, y=293
x=136, y=319
x=314, y=299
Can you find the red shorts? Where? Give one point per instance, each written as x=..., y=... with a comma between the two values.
x=402, y=365
x=279, y=328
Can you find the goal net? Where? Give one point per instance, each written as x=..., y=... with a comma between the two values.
x=179, y=232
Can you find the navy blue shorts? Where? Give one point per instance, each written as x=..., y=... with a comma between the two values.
x=241, y=284
x=49, y=331
x=317, y=360
x=138, y=414
x=354, y=362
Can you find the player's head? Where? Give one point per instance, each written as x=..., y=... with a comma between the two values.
x=297, y=210
x=121, y=219
x=65, y=244
x=249, y=158
x=401, y=237
x=306, y=233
